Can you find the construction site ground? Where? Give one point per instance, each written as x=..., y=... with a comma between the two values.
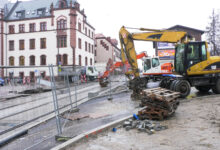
x=194, y=126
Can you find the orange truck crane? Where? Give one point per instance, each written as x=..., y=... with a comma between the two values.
x=103, y=79
x=150, y=70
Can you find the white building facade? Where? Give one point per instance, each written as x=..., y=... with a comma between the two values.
x=43, y=32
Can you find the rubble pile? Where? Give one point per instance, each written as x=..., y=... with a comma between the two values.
x=147, y=126
x=160, y=103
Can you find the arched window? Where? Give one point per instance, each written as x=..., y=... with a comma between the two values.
x=91, y=61
x=86, y=61
x=11, y=61
x=65, y=59
x=43, y=60
x=32, y=60
x=61, y=24
x=80, y=63
x=21, y=61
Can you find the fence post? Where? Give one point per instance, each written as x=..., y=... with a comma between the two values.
x=110, y=93
x=55, y=101
x=68, y=85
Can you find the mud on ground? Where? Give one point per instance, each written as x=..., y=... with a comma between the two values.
x=195, y=126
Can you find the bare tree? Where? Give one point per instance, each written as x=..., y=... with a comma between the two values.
x=213, y=33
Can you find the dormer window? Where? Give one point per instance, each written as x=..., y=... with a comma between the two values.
x=41, y=11
x=20, y=14
x=62, y=4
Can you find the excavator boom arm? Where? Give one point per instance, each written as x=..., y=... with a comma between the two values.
x=127, y=45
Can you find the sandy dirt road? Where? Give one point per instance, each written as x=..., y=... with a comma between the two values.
x=195, y=126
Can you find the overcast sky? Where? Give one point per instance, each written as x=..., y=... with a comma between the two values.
x=107, y=16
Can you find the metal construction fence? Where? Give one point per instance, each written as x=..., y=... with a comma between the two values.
x=37, y=94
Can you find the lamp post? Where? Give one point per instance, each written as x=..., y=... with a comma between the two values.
x=58, y=55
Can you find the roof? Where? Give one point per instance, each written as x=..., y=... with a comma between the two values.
x=2, y=3
x=184, y=27
x=29, y=9
x=113, y=42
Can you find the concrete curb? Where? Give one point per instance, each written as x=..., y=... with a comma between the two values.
x=90, y=133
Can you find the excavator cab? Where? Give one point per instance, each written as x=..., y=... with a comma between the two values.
x=188, y=55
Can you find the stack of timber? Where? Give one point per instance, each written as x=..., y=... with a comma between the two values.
x=160, y=103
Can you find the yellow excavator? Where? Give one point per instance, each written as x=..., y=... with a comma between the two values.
x=193, y=64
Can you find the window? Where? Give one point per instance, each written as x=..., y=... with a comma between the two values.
x=80, y=63
x=41, y=11
x=21, y=61
x=193, y=51
x=79, y=27
x=85, y=46
x=89, y=33
x=147, y=64
x=89, y=47
x=79, y=43
x=32, y=43
x=86, y=61
x=85, y=30
x=194, y=54
x=21, y=75
x=92, y=35
x=11, y=29
x=65, y=59
x=204, y=55
x=43, y=43
x=21, y=44
x=61, y=24
x=62, y=4
x=91, y=61
x=43, y=60
x=11, y=61
x=92, y=49
x=32, y=27
x=95, y=53
x=32, y=76
x=61, y=41
x=21, y=28
x=43, y=26
x=20, y=14
x=11, y=45
x=155, y=62
x=32, y=60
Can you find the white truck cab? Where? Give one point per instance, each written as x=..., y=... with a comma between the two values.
x=151, y=66
x=90, y=72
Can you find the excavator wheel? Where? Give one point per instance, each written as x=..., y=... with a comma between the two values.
x=173, y=85
x=216, y=87
x=202, y=89
x=165, y=83
x=183, y=87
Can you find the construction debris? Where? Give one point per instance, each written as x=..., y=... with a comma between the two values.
x=147, y=126
x=160, y=103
